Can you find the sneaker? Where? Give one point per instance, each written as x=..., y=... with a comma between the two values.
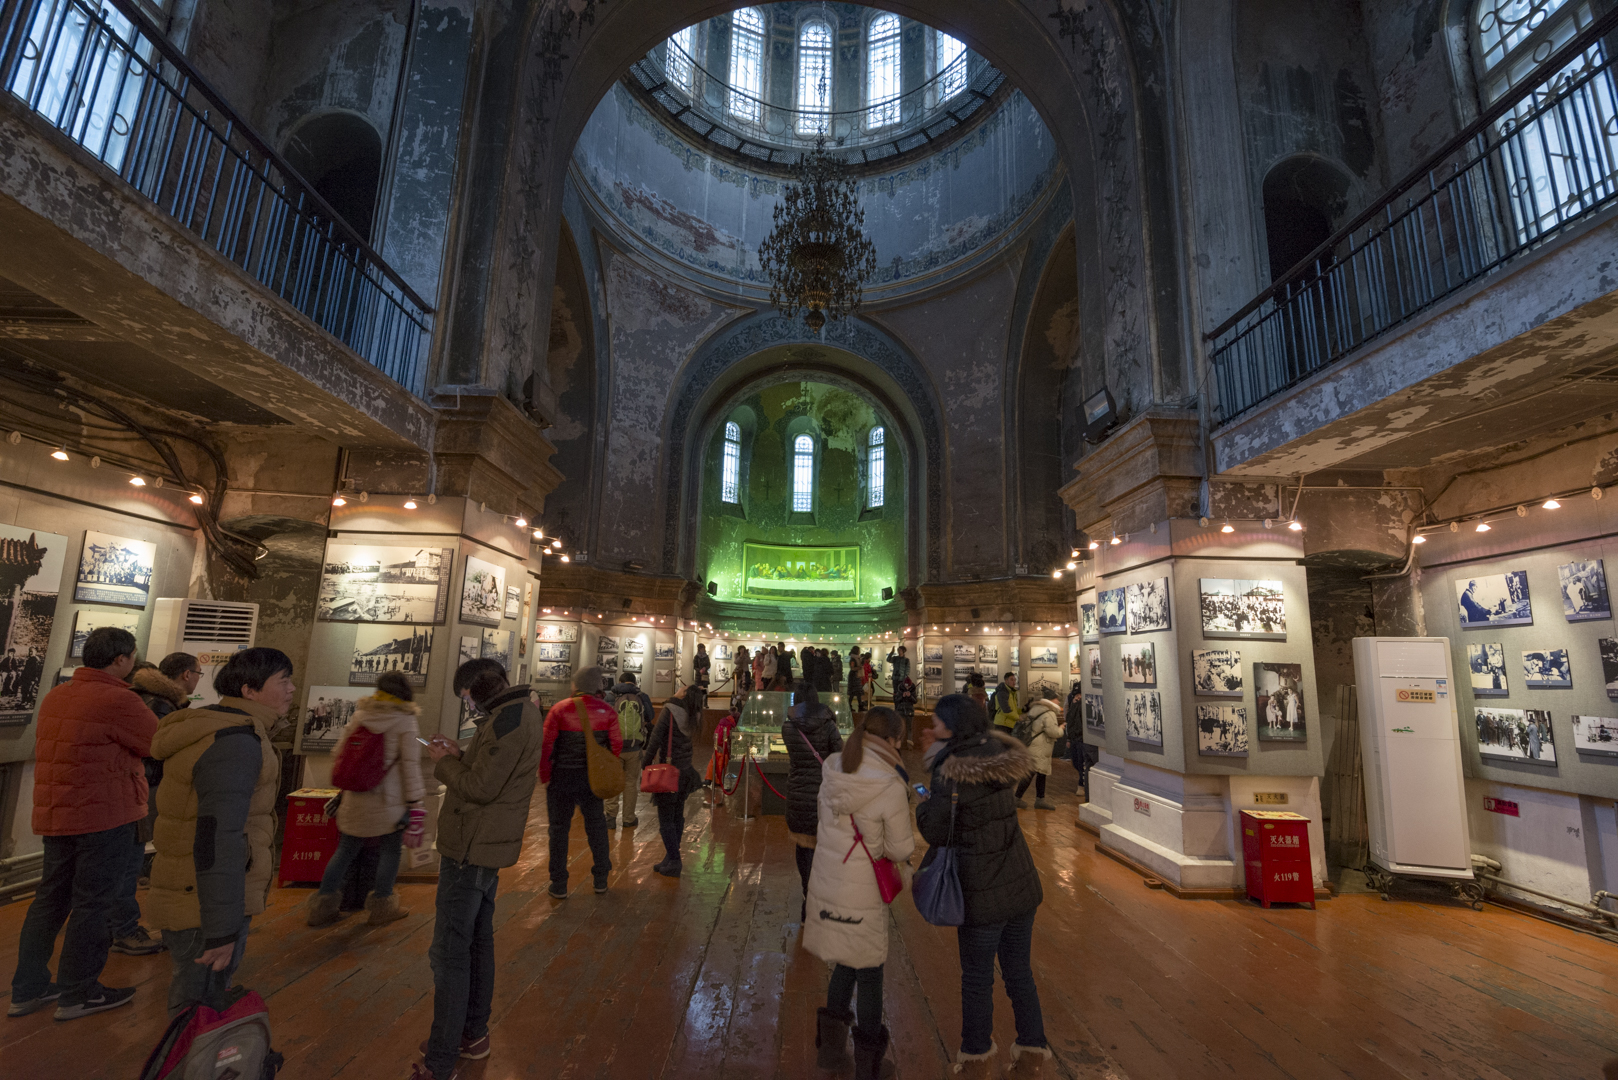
x=557, y=892
x=601, y=886
x=471, y=1049
x=99, y=999
x=1044, y=804
x=138, y=942
x=1022, y=805
x=420, y=1071
x=34, y=1004
x=630, y=823
x=667, y=869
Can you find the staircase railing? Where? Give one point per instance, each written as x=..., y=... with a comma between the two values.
x=1539, y=160
x=110, y=80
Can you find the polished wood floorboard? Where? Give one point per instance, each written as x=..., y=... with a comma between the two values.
x=703, y=978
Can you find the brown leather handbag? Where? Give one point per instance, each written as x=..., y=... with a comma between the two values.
x=605, y=770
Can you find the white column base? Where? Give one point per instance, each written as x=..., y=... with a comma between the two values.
x=1107, y=771
x=1174, y=825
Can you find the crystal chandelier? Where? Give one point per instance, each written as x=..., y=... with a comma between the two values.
x=817, y=257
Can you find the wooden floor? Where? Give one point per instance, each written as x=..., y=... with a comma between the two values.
x=702, y=977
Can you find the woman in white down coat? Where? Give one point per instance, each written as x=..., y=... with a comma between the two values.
x=1044, y=728
x=866, y=785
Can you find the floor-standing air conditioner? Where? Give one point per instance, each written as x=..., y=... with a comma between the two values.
x=208, y=629
x=1415, y=799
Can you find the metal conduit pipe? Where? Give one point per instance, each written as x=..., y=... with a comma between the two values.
x=1609, y=918
x=18, y=862
x=8, y=891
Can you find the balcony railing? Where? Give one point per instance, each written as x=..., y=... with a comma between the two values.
x=1539, y=160
x=110, y=80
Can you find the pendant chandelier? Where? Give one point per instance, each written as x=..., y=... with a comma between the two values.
x=817, y=257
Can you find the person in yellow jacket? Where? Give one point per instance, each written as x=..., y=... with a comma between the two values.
x=1006, y=710
x=216, y=823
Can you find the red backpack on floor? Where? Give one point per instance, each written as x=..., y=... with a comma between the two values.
x=204, y=1044
x=362, y=763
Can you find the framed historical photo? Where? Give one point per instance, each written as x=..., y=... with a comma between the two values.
x=368, y=583
x=1222, y=730
x=1148, y=603
x=1073, y=658
x=635, y=663
x=552, y=672
x=636, y=644
x=989, y=654
x=470, y=649
x=513, y=602
x=88, y=619
x=1138, y=662
x=932, y=671
x=1515, y=735
x=932, y=653
x=1094, y=715
x=1143, y=717
x=27, y=614
x=553, y=651
x=1216, y=673
x=327, y=710
x=382, y=648
x=1596, y=735
x=1278, y=696
x=966, y=653
x=1093, y=663
x=1089, y=629
x=1042, y=656
x=555, y=632
x=1493, y=600
x=483, y=593
x=1547, y=669
x=1242, y=608
x=1608, y=647
x=1486, y=664
x=496, y=645
x=606, y=646
x=1584, y=591
x=664, y=652
x=115, y=570
x=1111, y=611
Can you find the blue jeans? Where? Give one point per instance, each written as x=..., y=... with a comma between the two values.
x=79, y=887
x=1012, y=942
x=193, y=982
x=349, y=848
x=124, y=919
x=462, y=958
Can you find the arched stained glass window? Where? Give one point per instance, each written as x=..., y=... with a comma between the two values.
x=747, y=64
x=882, y=71
x=681, y=66
x=876, y=465
x=814, y=79
x=731, y=466
x=951, y=60
x=803, y=473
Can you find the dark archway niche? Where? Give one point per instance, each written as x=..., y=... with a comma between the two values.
x=340, y=154
x=1304, y=198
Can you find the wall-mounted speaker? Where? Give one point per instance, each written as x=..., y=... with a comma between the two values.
x=713, y=588
x=887, y=592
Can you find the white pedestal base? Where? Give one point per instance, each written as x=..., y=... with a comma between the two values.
x=1174, y=825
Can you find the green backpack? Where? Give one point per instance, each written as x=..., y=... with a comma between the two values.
x=630, y=719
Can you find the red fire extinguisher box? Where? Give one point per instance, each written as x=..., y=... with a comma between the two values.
x=1275, y=851
x=311, y=837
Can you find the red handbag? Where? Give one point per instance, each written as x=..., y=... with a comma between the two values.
x=888, y=881
x=662, y=779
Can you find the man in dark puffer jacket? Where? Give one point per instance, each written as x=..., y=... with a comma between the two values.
x=980, y=768
x=807, y=719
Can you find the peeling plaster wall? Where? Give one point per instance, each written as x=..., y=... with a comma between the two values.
x=336, y=55
x=1422, y=79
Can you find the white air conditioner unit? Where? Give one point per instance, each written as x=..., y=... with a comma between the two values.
x=210, y=630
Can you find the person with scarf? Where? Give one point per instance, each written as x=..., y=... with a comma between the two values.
x=670, y=741
x=974, y=771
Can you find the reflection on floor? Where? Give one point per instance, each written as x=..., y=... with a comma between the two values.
x=703, y=978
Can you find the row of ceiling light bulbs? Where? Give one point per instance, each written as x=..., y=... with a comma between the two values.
x=135, y=479
x=1483, y=526
x=553, y=548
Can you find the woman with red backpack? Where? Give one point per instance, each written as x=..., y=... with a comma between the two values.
x=377, y=766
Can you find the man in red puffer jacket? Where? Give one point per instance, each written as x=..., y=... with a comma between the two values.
x=89, y=791
x=565, y=773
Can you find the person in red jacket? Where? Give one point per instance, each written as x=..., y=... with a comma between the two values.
x=565, y=773
x=89, y=791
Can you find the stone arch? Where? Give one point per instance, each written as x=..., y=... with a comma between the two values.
x=1305, y=198
x=851, y=353
x=339, y=152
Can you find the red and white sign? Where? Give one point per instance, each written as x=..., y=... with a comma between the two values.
x=1500, y=806
x=1143, y=807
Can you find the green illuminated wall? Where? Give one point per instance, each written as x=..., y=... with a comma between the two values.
x=840, y=423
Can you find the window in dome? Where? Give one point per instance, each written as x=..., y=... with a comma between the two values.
x=731, y=466
x=882, y=71
x=747, y=64
x=951, y=66
x=876, y=466
x=814, y=79
x=803, y=473
x=681, y=65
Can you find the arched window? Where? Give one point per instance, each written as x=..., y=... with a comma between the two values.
x=682, y=65
x=814, y=79
x=803, y=473
x=882, y=71
x=950, y=61
x=876, y=468
x=731, y=466
x=747, y=63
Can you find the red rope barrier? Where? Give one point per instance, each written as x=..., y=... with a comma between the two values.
x=764, y=778
x=732, y=789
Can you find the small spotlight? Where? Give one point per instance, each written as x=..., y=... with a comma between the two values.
x=1454, y=526
x=1295, y=525
x=1227, y=527
x=522, y=523
x=410, y=504
x=538, y=535
x=196, y=498
x=1095, y=545
x=557, y=544
x=59, y=454
x=339, y=501
x=1522, y=511
x=1072, y=566
x=1056, y=573
x=566, y=559
x=1483, y=526
x=137, y=481
x=1418, y=539
x=1550, y=504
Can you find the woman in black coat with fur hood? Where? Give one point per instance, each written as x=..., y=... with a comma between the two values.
x=811, y=735
x=977, y=769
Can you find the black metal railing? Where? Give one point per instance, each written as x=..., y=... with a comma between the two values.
x=109, y=79
x=1540, y=159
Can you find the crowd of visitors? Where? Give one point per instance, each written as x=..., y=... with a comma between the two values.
x=123, y=752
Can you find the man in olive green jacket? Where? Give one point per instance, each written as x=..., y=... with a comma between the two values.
x=480, y=829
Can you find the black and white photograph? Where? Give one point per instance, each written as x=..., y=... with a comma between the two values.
x=1111, y=611
x=513, y=602
x=1584, y=591
x=88, y=619
x=1487, y=661
x=361, y=583
x=608, y=664
x=932, y=654
x=966, y=653
x=1138, y=662
x=1242, y=608
x=1148, y=603
x=327, y=710
x=1073, y=658
x=634, y=664
x=606, y=645
x=31, y=565
x=1216, y=672
x=721, y=650
x=1278, y=697
x=932, y=691
x=1094, y=714
x=991, y=676
x=496, y=645
x=1042, y=656
x=551, y=652
x=1493, y=600
x=1143, y=717
x=635, y=644
x=1596, y=735
x=1093, y=660
x=665, y=652
x=1038, y=684
x=1608, y=648
x=932, y=671
x=1089, y=629
x=115, y=570
x=1516, y=735
x=989, y=654
x=1222, y=730
x=553, y=672
x=555, y=632
x=1016, y=656
x=663, y=675
x=1547, y=669
x=483, y=593
x=470, y=649
x=405, y=649
x=466, y=722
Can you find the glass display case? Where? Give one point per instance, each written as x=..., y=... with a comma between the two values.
x=758, y=732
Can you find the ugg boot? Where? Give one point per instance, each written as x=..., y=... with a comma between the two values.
x=384, y=909
x=1044, y=804
x=1027, y=1062
x=976, y=1066
x=323, y=908
x=871, y=1054
x=831, y=1038
x=1022, y=805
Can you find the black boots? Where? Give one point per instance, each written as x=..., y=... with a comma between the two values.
x=870, y=1054
x=671, y=833
x=831, y=1038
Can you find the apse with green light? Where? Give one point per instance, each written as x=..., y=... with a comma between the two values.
x=842, y=551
